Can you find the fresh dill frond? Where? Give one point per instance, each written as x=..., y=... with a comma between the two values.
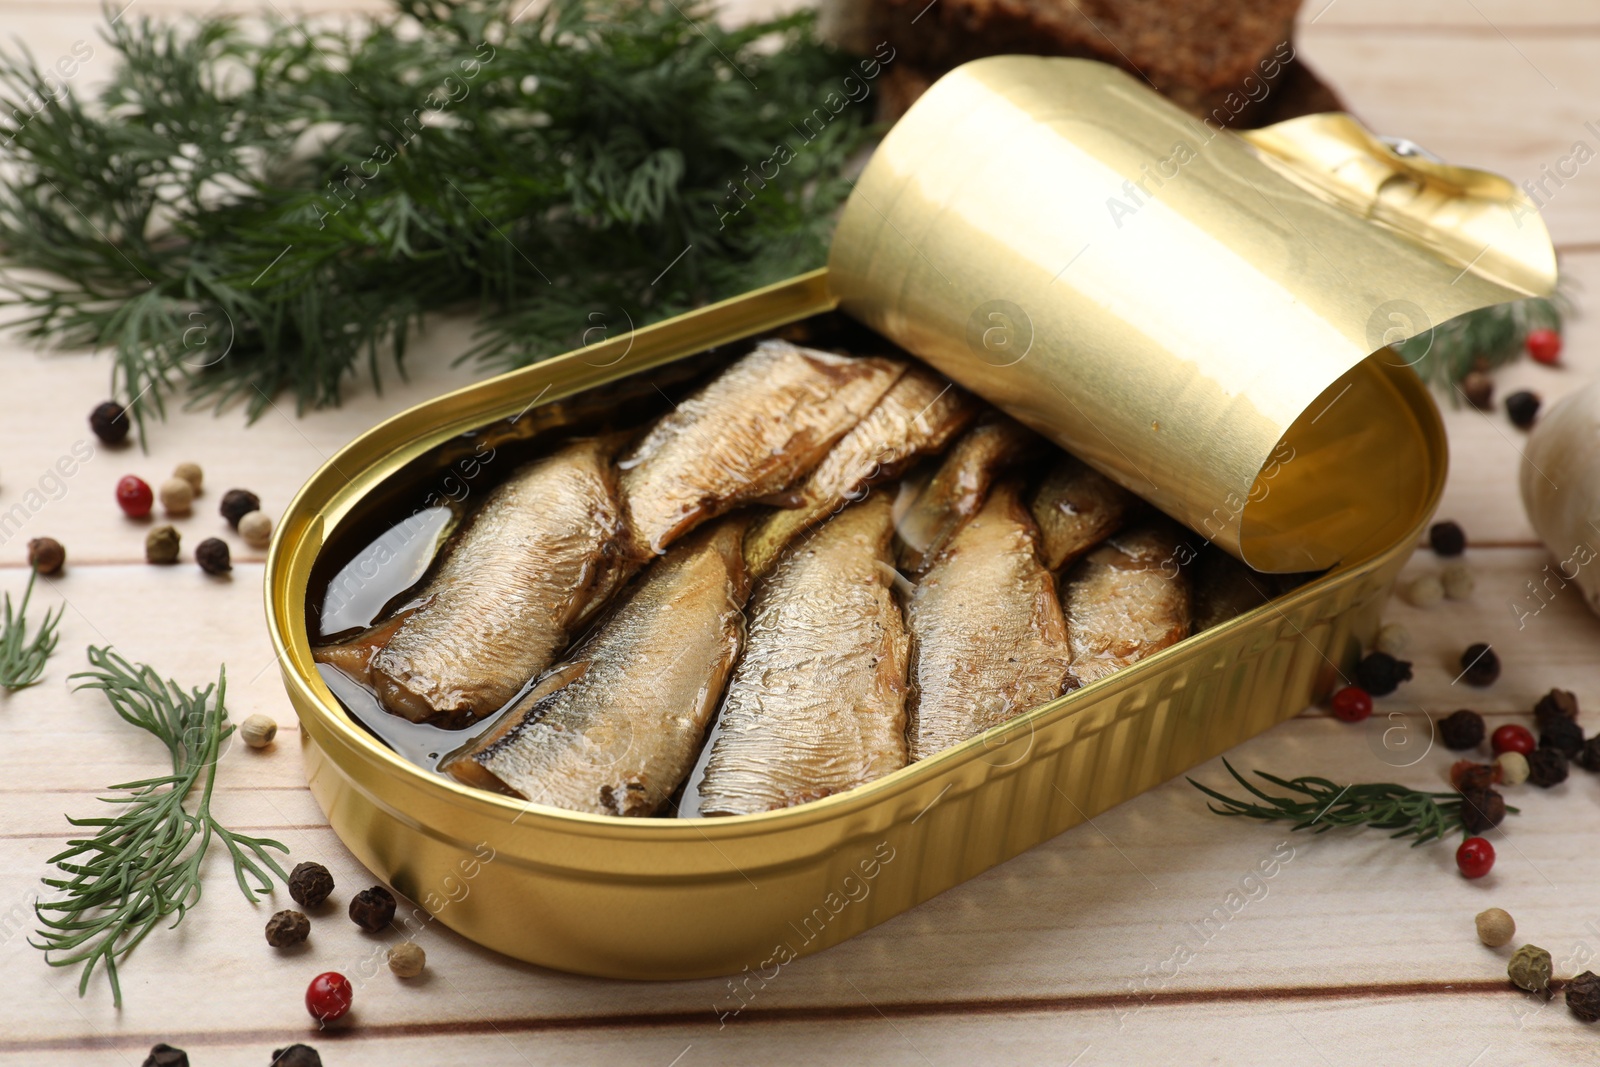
x=254, y=207
x=22, y=658
x=143, y=864
x=1320, y=805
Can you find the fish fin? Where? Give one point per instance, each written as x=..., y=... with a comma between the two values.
x=354, y=656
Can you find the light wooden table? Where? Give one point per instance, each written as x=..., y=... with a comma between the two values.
x=1357, y=951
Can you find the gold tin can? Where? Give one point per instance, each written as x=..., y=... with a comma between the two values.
x=674, y=899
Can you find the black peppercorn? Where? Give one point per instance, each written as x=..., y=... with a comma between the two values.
x=46, y=555
x=1467, y=776
x=1563, y=735
x=164, y=1055
x=1482, y=809
x=1447, y=539
x=1547, y=767
x=309, y=884
x=1461, y=729
x=372, y=909
x=1380, y=673
x=213, y=557
x=287, y=928
x=237, y=503
x=109, y=421
x=1583, y=996
x=1556, y=704
x=296, y=1056
x=1589, y=757
x=1479, y=665
x=1522, y=408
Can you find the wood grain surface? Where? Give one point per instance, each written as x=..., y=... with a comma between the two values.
x=1354, y=951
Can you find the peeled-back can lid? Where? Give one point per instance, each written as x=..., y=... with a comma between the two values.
x=1202, y=315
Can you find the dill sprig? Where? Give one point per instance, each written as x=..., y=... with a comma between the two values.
x=22, y=658
x=1488, y=337
x=249, y=208
x=144, y=863
x=1380, y=805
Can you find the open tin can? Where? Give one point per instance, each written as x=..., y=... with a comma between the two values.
x=1192, y=311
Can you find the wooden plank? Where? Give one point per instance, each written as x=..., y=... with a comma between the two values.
x=1448, y=16
x=1428, y=1029
x=1509, y=106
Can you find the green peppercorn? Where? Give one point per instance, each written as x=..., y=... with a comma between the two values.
x=161, y=545
x=1530, y=969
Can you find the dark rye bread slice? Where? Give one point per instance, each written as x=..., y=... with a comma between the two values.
x=1222, y=59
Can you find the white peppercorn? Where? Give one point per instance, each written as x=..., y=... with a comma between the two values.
x=1457, y=581
x=256, y=529
x=1393, y=639
x=1424, y=591
x=1495, y=927
x=177, y=496
x=258, y=731
x=407, y=959
x=1513, y=767
x=190, y=472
